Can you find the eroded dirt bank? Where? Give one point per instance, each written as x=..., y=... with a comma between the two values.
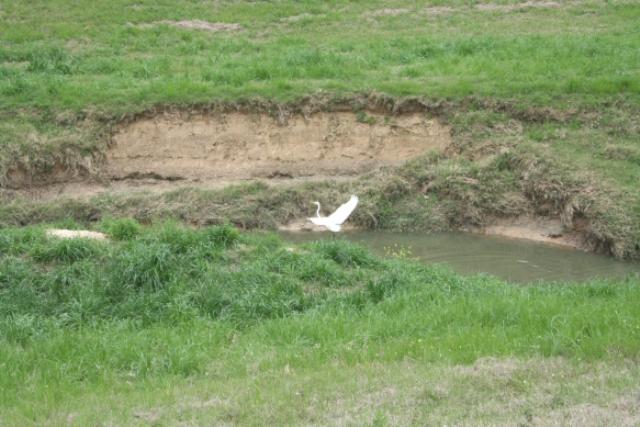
x=237, y=146
x=79, y=149
x=416, y=165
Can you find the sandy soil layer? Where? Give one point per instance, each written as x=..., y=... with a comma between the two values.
x=238, y=146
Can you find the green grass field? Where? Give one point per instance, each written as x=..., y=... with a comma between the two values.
x=177, y=322
x=118, y=56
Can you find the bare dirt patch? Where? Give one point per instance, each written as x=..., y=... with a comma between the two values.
x=387, y=12
x=76, y=46
x=492, y=367
x=238, y=146
x=623, y=412
x=297, y=18
x=509, y=392
x=306, y=225
x=15, y=65
x=493, y=7
x=194, y=24
x=438, y=10
x=539, y=229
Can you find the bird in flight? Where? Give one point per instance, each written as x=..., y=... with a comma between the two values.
x=334, y=221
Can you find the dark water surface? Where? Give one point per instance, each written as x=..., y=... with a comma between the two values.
x=510, y=259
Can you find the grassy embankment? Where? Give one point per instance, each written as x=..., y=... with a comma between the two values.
x=169, y=324
x=542, y=100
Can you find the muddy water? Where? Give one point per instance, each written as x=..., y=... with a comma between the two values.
x=510, y=259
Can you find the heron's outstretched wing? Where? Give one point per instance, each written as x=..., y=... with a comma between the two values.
x=325, y=222
x=342, y=213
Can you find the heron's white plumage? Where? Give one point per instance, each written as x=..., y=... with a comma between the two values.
x=342, y=213
x=334, y=221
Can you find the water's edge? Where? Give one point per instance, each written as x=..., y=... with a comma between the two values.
x=466, y=253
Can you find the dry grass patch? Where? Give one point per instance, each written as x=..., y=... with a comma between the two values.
x=387, y=12
x=193, y=24
x=493, y=7
x=492, y=391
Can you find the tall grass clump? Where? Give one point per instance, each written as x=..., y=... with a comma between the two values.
x=121, y=228
x=344, y=253
x=171, y=274
x=17, y=241
x=143, y=266
x=67, y=250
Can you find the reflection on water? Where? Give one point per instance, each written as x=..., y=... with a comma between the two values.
x=510, y=259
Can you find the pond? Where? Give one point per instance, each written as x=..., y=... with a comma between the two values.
x=510, y=259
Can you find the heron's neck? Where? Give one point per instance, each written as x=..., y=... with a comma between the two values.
x=318, y=210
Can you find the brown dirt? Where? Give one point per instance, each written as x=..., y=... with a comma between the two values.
x=623, y=412
x=18, y=177
x=438, y=10
x=76, y=46
x=539, y=229
x=85, y=190
x=195, y=24
x=203, y=25
x=494, y=367
x=27, y=171
x=297, y=18
x=17, y=65
x=237, y=146
x=306, y=225
x=387, y=12
x=212, y=145
x=492, y=7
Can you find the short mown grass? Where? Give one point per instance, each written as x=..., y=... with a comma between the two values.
x=167, y=304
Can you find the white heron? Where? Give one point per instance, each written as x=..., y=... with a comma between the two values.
x=334, y=221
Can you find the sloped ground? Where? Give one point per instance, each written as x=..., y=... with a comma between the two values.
x=419, y=165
